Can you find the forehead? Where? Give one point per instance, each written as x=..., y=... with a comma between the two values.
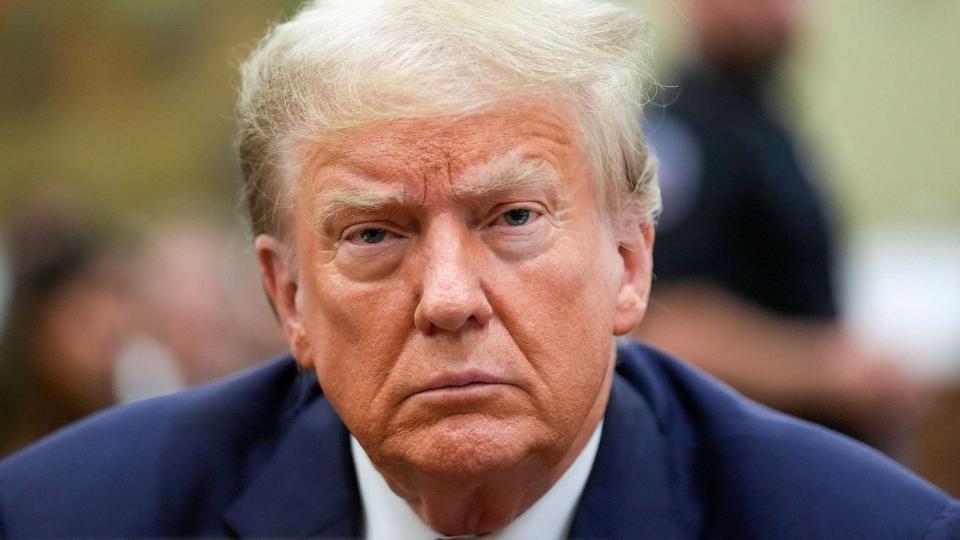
x=450, y=145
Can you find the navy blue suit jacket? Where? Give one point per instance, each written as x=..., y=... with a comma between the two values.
x=264, y=455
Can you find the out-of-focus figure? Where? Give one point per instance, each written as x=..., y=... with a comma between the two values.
x=743, y=262
x=201, y=311
x=67, y=319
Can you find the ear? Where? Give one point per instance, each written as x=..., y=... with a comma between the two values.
x=636, y=252
x=281, y=281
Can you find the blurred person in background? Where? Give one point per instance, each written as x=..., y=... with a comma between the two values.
x=743, y=261
x=201, y=312
x=67, y=320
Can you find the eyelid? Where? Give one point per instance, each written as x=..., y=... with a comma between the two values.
x=356, y=228
x=498, y=211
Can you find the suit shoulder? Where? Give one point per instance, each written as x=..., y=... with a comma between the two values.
x=248, y=399
x=144, y=451
x=760, y=471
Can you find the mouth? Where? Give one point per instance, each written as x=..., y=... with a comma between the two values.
x=461, y=381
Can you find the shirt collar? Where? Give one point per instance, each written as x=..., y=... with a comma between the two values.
x=386, y=515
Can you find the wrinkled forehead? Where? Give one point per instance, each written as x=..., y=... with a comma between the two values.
x=514, y=136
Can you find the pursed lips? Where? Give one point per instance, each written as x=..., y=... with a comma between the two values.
x=461, y=380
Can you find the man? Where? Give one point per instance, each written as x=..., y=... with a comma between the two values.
x=744, y=261
x=453, y=207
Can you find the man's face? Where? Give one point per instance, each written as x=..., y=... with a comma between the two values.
x=77, y=361
x=456, y=288
x=756, y=31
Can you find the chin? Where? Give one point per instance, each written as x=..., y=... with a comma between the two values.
x=472, y=446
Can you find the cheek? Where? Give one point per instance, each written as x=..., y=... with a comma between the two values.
x=576, y=294
x=356, y=331
x=559, y=310
x=574, y=280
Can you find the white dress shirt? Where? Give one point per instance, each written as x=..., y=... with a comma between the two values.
x=387, y=516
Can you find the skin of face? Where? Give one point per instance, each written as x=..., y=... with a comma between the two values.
x=752, y=31
x=455, y=284
x=76, y=361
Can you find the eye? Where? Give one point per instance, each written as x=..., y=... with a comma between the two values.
x=368, y=235
x=372, y=236
x=517, y=217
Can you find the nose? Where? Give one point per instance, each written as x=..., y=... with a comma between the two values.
x=452, y=296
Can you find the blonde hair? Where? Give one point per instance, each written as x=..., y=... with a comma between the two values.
x=338, y=64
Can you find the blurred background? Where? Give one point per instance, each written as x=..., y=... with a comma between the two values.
x=123, y=248
x=871, y=92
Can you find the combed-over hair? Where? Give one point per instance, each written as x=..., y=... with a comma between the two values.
x=338, y=64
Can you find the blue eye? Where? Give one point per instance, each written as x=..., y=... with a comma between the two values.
x=516, y=217
x=372, y=236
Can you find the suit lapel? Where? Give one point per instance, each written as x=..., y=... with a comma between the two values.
x=629, y=492
x=307, y=487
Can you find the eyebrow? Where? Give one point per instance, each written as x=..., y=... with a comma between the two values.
x=506, y=175
x=331, y=203
x=491, y=180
